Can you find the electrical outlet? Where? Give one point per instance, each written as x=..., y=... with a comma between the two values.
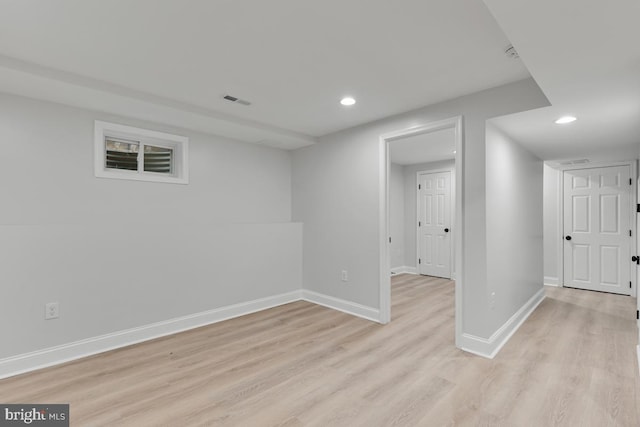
x=344, y=276
x=51, y=311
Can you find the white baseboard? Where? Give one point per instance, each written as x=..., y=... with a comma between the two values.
x=552, y=281
x=404, y=270
x=638, y=350
x=490, y=347
x=345, y=306
x=67, y=352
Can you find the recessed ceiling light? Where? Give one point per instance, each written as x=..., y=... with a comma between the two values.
x=565, y=120
x=347, y=101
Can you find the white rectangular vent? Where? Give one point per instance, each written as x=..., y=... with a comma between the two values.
x=236, y=100
x=574, y=162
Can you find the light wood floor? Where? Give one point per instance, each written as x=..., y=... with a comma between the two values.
x=573, y=363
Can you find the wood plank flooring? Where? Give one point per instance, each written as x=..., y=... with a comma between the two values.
x=573, y=363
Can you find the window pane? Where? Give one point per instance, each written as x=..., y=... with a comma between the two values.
x=158, y=159
x=122, y=154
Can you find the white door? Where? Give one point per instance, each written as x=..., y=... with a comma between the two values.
x=597, y=229
x=434, y=224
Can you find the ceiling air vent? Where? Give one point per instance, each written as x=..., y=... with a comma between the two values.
x=574, y=162
x=236, y=100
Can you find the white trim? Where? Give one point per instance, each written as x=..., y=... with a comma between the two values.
x=404, y=270
x=51, y=356
x=490, y=347
x=452, y=246
x=67, y=352
x=179, y=144
x=633, y=200
x=560, y=228
x=383, y=207
x=552, y=281
x=345, y=306
x=638, y=351
x=636, y=241
x=383, y=231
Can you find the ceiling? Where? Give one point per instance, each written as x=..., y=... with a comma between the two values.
x=423, y=148
x=172, y=61
x=585, y=56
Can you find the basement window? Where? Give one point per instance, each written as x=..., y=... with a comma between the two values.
x=126, y=152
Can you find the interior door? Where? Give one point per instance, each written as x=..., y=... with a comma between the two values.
x=597, y=229
x=434, y=224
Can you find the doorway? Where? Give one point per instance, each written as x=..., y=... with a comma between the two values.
x=598, y=228
x=456, y=230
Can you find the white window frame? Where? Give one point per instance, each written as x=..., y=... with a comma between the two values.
x=179, y=145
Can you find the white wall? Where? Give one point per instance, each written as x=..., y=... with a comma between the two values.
x=397, y=215
x=514, y=226
x=411, y=208
x=552, y=226
x=119, y=254
x=335, y=194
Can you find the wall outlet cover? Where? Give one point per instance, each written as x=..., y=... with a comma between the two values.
x=51, y=311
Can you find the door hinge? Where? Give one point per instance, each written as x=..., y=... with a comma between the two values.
x=629, y=285
x=419, y=186
x=630, y=181
x=419, y=261
x=638, y=207
x=637, y=314
x=635, y=259
x=419, y=223
x=629, y=233
x=389, y=239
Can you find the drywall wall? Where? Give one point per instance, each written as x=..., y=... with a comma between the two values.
x=411, y=208
x=552, y=242
x=396, y=215
x=119, y=254
x=336, y=195
x=514, y=226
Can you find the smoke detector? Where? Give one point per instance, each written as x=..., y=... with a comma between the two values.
x=236, y=100
x=511, y=52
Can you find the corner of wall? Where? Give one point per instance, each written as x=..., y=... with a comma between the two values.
x=489, y=347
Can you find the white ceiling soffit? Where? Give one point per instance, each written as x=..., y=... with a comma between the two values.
x=22, y=78
x=585, y=56
x=423, y=148
x=293, y=60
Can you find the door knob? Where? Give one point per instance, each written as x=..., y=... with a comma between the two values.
x=446, y=230
x=568, y=237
